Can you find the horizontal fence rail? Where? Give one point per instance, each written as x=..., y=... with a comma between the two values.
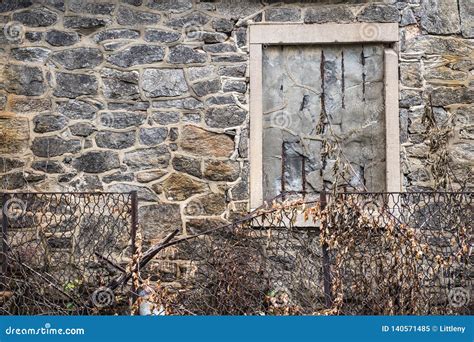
x=60, y=250
x=359, y=253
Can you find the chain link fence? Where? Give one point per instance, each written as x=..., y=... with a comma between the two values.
x=353, y=254
x=61, y=250
x=301, y=254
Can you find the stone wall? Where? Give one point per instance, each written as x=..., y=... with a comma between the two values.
x=152, y=95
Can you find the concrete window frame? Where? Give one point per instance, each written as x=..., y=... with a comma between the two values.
x=261, y=35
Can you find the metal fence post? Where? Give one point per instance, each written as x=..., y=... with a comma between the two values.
x=4, y=234
x=133, y=232
x=327, y=282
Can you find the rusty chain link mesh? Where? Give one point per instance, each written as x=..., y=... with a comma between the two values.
x=364, y=253
x=60, y=250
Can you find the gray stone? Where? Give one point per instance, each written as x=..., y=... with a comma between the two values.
x=137, y=54
x=208, y=37
x=37, y=17
x=223, y=25
x=76, y=109
x=164, y=118
x=219, y=48
x=173, y=6
x=12, y=5
x=203, y=88
x=196, y=73
x=24, y=80
x=327, y=14
x=78, y=58
x=410, y=75
x=178, y=187
x=58, y=4
x=192, y=117
x=403, y=125
x=84, y=23
x=118, y=177
x=34, y=36
x=241, y=190
x=153, y=136
x=129, y=106
x=186, y=103
x=130, y=17
x=186, y=55
x=49, y=123
x=61, y=38
x=409, y=98
x=149, y=176
x=208, y=205
x=54, y=146
x=232, y=70
x=27, y=104
x=114, y=46
x=30, y=54
x=190, y=22
x=222, y=117
x=3, y=101
x=241, y=37
x=229, y=58
x=115, y=140
x=174, y=133
x=444, y=74
x=433, y=45
x=282, y=14
x=147, y=158
x=444, y=96
x=89, y=183
x=133, y=2
x=440, y=16
x=84, y=6
x=74, y=85
x=379, y=13
x=221, y=100
x=116, y=34
x=96, y=161
x=244, y=143
x=189, y=165
x=158, y=219
x=8, y=164
x=235, y=85
x=120, y=84
x=122, y=119
x=67, y=177
x=466, y=11
x=200, y=225
x=12, y=181
x=164, y=82
x=408, y=18
x=161, y=36
x=143, y=193
x=221, y=170
x=48, y=166
x=82, y=129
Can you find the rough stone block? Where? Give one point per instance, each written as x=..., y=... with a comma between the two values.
x=200, y=142
x=74, y=85
x=164, y=82
x=14, y=135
